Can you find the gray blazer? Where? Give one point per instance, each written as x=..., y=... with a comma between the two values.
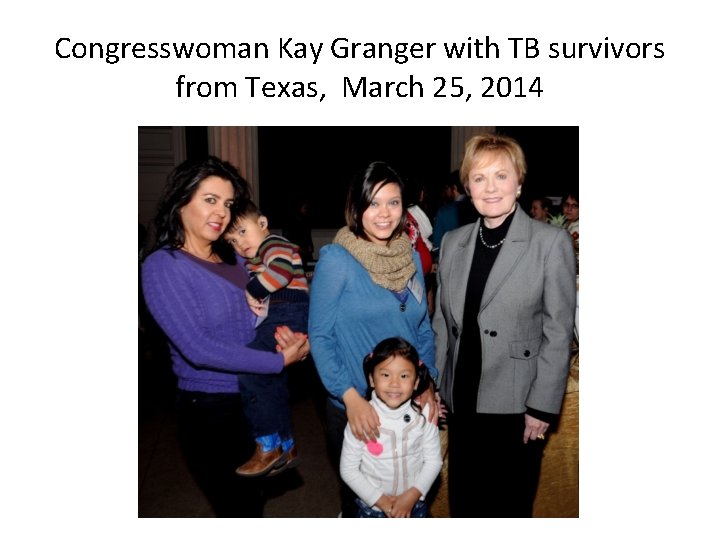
x=526, y=316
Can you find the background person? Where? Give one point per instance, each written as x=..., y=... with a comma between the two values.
x=299, y=231
x=447, y=217
x=423, y=245
x=194, y=287
x=571, y=210
x=367, y=286
x=540, y=209
x=506, y=301
x=412, y=229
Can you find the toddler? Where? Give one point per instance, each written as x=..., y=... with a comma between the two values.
x=278, y=293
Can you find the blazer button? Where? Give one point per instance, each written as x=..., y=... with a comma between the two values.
x=493, y=333
x=526, y=353
x=487, y=331
x=454, y=331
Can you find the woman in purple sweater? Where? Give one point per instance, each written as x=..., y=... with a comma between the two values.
x=194, y=287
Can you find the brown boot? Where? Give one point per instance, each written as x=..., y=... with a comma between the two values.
x=291, y=462
x=262, y=462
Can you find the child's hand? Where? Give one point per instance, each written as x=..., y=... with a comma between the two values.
x=404, y=503
x=258, y=307
x=386, y=503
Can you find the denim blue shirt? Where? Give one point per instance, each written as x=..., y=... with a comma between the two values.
x=350, y=314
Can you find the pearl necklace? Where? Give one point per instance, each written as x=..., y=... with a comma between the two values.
x=484, y=243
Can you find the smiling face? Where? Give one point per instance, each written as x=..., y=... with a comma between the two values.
x=394, y=380
x=206, y=215
x=247, y=235
x=382, y=217
x=494, y=185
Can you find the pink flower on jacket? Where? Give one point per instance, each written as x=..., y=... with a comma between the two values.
x=375, y=448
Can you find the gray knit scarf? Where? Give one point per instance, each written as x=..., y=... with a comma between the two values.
x=389, y=266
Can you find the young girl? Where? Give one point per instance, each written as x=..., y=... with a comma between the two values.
x=392, y=474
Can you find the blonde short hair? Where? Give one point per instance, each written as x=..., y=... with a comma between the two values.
x=492, y=143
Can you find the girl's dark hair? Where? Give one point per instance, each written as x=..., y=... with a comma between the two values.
x=377, y=175
x=397, y=346
x=182, y=183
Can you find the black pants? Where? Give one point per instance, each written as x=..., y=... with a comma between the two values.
x=336, y=422
x=491, y=472
x=215, y=440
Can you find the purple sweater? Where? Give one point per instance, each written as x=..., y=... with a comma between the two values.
x=206, y=320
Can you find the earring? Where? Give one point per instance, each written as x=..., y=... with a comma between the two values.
x=518, y=193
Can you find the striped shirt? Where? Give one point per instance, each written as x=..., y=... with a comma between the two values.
x=277, y=265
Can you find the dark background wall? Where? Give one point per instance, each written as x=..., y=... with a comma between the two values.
x=553, y=158
x=316, y=164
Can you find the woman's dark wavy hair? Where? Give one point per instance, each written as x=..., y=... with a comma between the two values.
x=365, y=184
x=182, y=183
x=397, y=346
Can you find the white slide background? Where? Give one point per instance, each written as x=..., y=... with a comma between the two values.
x=648, y=176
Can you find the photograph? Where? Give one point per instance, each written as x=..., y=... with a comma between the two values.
x=359, y=268
x=358, y=321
